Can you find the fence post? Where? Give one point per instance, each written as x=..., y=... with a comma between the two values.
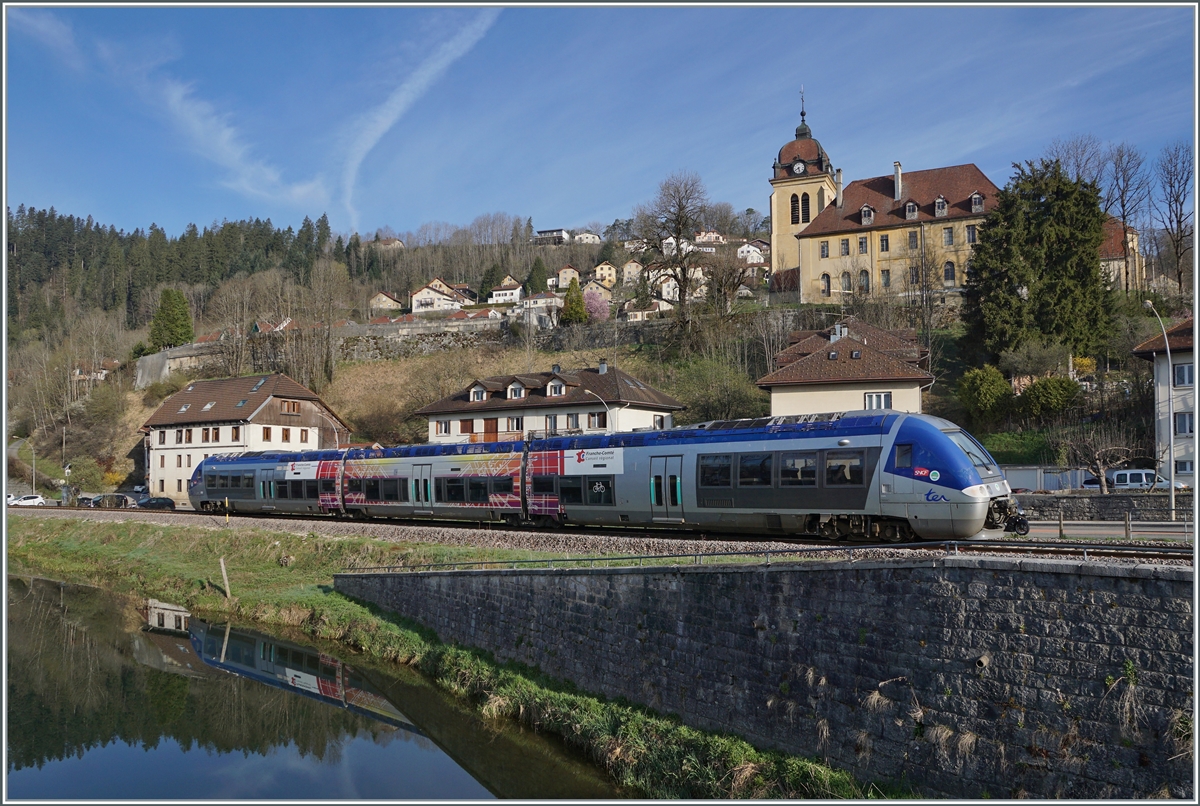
x=225, y=577
x=1061, y=534
x=1128, y=526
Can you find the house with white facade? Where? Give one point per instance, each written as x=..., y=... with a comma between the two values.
x=847, y=367
x=509, y=292
x=233, y=415
x=583, y=401
x=630, y=272
x=1174, y=399
x=750, y=253
x=551, y=237
x=437, y=295
x=587, y=237
x=709, y=236
x=542, y=309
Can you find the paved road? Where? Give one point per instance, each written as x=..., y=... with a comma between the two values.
x=1180, y=530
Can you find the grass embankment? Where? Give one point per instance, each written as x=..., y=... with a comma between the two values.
x=652, y=755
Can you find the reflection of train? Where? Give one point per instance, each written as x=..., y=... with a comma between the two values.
x=289, y=666
x=871, y=474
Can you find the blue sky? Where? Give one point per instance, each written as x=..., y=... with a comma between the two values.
x=396, y=116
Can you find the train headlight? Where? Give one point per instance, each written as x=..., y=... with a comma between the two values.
x=977, y=491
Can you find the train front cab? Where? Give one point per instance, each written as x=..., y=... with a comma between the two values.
x=943, y=482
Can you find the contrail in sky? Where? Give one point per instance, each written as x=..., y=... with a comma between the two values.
x=377, y=122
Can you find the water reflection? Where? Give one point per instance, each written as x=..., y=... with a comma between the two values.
x=103, y=702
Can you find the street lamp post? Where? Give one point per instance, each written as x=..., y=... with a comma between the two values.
x=1170, y=409
x=336, y=441
x=607, y=413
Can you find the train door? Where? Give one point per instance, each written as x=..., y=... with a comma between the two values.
x=423, y=488
x=902, y=479
x=266, y=490
x=666, y=488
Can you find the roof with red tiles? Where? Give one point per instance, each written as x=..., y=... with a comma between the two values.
x=191, y=405
x=1181, y=336
x=845, y=361
x=1114, y=236
x=614, y=387
x=956, y=184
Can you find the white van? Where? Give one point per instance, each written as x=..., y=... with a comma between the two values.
x=1141, y=480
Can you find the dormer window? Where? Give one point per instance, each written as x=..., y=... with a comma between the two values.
x=976, y=202
x=478, y=394
x=868, y=215
x=910, y=211
x=557, y=390
x=939, y=206
x=516, y=392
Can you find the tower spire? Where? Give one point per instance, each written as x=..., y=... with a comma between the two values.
x=802, y=131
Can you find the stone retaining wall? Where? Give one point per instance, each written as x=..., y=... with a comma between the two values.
x=1111, y=507
x=964, y=677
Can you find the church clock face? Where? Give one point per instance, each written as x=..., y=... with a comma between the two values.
x=798, y=168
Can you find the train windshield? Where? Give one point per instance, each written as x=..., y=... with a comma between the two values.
x=974, y=451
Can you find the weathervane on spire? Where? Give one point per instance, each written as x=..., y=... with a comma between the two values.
x=801, y=102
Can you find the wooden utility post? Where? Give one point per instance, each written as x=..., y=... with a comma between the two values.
x=225, y=577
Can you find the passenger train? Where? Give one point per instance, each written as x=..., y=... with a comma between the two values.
x=877, y=475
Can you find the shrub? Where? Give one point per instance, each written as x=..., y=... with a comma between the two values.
x=985, y=394
x=1047, y=397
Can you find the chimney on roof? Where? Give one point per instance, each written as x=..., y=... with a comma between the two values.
x=556, y=369
x=839, y=330
x=603, y=366
x=839, y=188
x=897, y=180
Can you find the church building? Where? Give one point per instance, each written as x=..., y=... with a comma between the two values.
x=899, y=233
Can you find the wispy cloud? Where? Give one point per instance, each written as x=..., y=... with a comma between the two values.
x=210, y=135
x=51, y=32
x=208, y=132
x=378, y=121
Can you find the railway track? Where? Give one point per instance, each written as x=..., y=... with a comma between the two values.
x=1157, y=546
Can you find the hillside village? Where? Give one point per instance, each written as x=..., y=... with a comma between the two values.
x=882, y=264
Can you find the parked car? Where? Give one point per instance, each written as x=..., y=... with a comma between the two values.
x=140, y=488
x=1093, y=483
x=83, y=501
x=113, y=501
x=30, y=501
x=156, y=503
x=1133, y=480
x=10, y=499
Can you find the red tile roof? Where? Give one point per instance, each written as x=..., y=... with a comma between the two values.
x=224, y=394
x=1114, y=236
x=1181, y=336
x=836, y=363
x=614, y=387
x=956, y=183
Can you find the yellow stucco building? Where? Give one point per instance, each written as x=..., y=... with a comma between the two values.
x=900, y=233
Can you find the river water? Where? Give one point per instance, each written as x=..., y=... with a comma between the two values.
x=117, y=700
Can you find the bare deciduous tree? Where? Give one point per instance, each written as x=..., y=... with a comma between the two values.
x=1173, y=171
x=1126, y=194
x=665, y=225
x=1082, y=156
x=724, y=273
x=1099, y=447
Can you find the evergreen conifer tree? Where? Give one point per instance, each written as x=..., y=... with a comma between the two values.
x=172, y=322
x=574, y=312
x=535, y=282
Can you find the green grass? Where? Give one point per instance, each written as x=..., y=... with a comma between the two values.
x=652, y=755
x=1017, y=448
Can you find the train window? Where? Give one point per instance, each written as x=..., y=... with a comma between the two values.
x=656, y=490
x=248, y=479
x=223, y=480
x=477, y=491
x=298, y=658
x=312, y=663
x=843, y=468
x=754, y=470
x=388, y=490
x=297, y=488
x=354, y=485
x=904, y=456
x=570, y=489
x=504, y=486
x=310, y=489
x=715, y=471
x=372, y=488
x=543, y=485
x=797, y=469
x=675, y=490
x=281, y=489
x=210, y=480
x=402, y=489
x=600, y=490
x=235, y=479
x=328, y=487
x=455, y=490
x=328, y=671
